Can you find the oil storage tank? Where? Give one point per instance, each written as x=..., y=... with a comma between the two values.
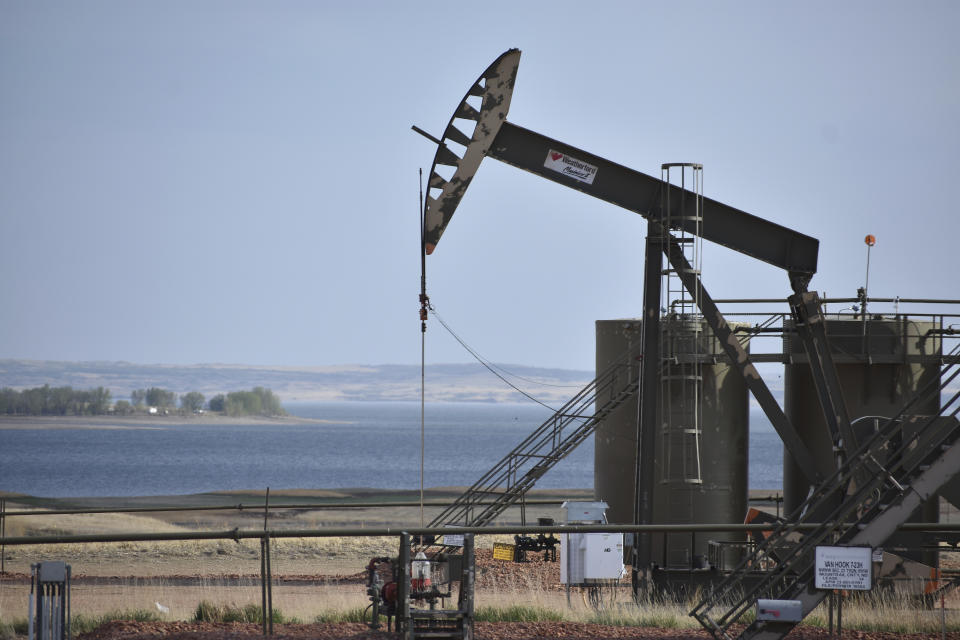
x=881, y=363
x=702, y=441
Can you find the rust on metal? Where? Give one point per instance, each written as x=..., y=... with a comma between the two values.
x=495, y=88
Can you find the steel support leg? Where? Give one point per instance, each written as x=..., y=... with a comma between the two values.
x=647, y=407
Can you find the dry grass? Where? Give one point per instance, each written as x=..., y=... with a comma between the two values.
x=309, y=602
x=312, y=602
x=92, y=523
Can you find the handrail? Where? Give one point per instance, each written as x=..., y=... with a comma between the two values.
x=253, y=507
x=332, y=506
x=339, y=532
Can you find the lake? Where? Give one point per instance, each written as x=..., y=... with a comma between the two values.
x=365, y=444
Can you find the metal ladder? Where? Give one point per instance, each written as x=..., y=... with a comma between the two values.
x=682, y=336
x=519, y=470
x=867, y=498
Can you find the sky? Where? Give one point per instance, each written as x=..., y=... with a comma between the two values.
x=237, y=182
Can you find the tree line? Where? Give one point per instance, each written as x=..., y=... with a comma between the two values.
x=63, y=401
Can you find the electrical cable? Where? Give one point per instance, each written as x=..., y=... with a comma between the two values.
x=481, y=360
x=532, y=381
x=517, y=375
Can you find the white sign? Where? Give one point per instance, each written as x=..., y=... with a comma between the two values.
x=453, y=539
x=844, y=568
x=570, y=167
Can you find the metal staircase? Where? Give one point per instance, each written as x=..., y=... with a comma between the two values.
x=520, y=469
x=876, y=489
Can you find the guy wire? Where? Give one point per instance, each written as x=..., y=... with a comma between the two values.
x=486, y=364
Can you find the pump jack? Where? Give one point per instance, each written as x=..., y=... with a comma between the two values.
x=486, y=104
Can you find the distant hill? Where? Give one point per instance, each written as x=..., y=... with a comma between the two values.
x=444, y=382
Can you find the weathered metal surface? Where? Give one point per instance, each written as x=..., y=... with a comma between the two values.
x=649, y=388
x=495, y=88
x=578, y=169
x=909, y=364
x=640, y=193
x=809, y=320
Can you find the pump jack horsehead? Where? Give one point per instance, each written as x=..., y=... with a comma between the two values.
x=487, y=103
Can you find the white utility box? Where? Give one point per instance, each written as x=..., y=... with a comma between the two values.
x=576, y=512
x=590, y=557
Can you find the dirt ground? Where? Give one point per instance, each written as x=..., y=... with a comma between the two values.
x=123, y=630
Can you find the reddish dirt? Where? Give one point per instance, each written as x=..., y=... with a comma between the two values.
x=123, y=630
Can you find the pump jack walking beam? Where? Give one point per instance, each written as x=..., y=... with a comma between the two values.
x=575, y=168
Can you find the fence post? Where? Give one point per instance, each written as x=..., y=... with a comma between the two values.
x=269, y=611
x=3, y=534
x=263, y=585
x=266, y=577
x=402, y=624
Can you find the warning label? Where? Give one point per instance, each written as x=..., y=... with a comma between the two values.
x=571, y=167
x=503, y=551
x=848, y=568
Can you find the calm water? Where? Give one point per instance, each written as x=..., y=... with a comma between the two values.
x=368, y=445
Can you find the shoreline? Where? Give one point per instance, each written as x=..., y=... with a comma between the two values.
x=278, y=497
x=148, y=421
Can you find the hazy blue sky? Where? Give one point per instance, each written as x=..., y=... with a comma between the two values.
x=186, y=182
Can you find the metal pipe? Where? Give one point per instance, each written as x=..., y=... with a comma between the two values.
x=836, y=300
x=830, y=600
x=257, y=507
x=237, y=535
x=69, y=629
x=266, y=595
x=31, y=614
x=403, y=585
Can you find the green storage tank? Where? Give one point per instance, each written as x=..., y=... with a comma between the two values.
x=701, y=477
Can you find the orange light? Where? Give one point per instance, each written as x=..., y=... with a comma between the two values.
x=870, y=240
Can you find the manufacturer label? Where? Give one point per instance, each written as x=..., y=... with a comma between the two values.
x=570, y=166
